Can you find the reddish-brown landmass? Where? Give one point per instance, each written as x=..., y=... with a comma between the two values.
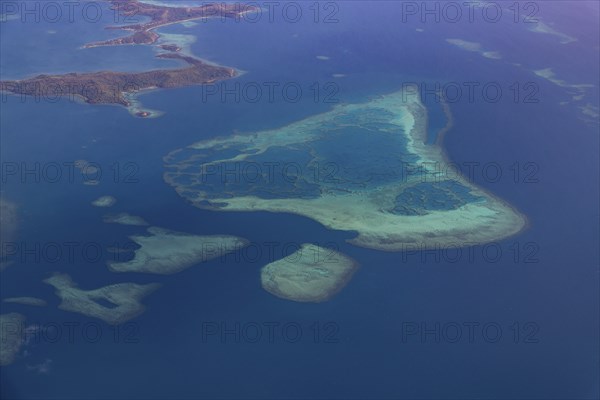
x=108, y=87
x=170, y=47
x=161, y=16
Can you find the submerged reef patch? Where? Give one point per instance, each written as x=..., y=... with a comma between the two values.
x=124, y=219
x=310, y=274
x=475, y=48
x=124, y=298
x=104, y=201
x=11, y=337
x=364, y=167
x=168, y=252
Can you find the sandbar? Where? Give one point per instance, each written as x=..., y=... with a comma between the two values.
x=29, y=301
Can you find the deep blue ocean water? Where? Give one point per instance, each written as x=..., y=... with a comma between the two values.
x=555, y=299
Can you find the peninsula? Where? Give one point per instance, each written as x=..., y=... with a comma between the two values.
x=143, y=33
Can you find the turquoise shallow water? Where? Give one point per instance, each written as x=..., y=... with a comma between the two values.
x=366, y=356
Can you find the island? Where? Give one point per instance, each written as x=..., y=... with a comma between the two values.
x=310, y=274
x=167, y=252
x=107, y=87
x=143, y=33
x=365, y=168
x=170, y=47
x=120, y=88
x=114, y=304
x=12, y=331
